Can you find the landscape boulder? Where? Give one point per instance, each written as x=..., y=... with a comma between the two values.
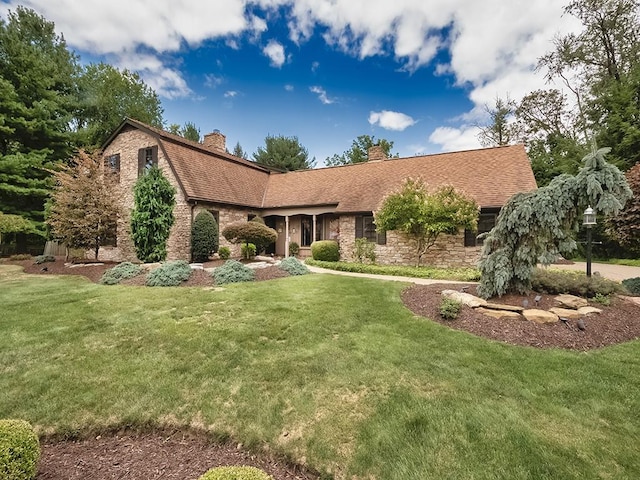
x=464, y=298
x=540, y=316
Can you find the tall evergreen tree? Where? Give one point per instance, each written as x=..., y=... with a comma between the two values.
x=285, y=153
x=359, y=151
x=501, y=130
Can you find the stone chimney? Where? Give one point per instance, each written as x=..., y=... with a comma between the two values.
x=376, y=154
x=215, y=140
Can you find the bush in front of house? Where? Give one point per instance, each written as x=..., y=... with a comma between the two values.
x=233, y=272
x=170, y=274
x=632, y=285
x=44, y=258
x=248, y=251
x=293, y=266
x=363, y=250
x=294, y=249
x=235, y=473
x=325, y=251
x=449, y=309
x=19, y=450
x=120, y=272
x=204, y=236
x=224, y=253
x=575, y=283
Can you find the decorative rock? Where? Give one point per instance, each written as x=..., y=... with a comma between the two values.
x=588, y=310
x=464, y=298
x=500, y=306
x=571, y=301
x=566, y=312
x=540, y=316
x=196, y=266
x=498, y=313
x=150, y=266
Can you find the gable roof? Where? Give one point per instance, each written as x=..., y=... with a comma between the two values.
x=490, y=176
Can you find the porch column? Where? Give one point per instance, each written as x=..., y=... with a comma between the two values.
x=313, y=238
x=286, y=237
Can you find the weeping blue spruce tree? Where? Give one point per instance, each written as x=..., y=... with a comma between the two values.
x=536, y=227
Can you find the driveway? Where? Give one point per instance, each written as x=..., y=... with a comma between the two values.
x=612, y=272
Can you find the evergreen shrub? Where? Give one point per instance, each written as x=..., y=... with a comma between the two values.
x=575, y=283
x=248, y=250
x=170, y=274
x=19, y=450
x=363, y=250
x=325, y=251
x=233, y=272
x=632, y=285
x=224, y=253
x=449, y=308
x=294, y=249
x=235, y=473
x=20, y=256
x=293, y=266
x=120, y=272
x=204, y=237
x=44, y=258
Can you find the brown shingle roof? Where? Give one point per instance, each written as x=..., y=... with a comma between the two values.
x=490, y=176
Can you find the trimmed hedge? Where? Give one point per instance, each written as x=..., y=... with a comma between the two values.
x=293, y=266
x=233, y=272
x=224, y=253
x=204, y=236
x=235, y=473
x=632, y=285
x=325, y=251
x=576, y=283
x=120, y=272
x=19, y=450
x=170, y=274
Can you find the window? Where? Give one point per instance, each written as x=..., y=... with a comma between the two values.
x=306, y=233
x=366, y=228
x=147, y=158
x=112, y=165
x=486, y=221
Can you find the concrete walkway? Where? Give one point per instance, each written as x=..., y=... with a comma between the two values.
x=419, y=281
x=612, y=272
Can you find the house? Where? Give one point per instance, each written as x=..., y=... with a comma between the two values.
x=326, y=203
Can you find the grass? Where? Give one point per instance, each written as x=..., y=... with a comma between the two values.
x=630, y=262
x=460, y=274
x=331, y=371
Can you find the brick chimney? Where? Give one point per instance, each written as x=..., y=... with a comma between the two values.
x=215, y=140
x=376, y=154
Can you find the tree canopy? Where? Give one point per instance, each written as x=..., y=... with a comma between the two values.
x=625, y=227
x=359, y=151
x=250, y=232
x=239, y=152
x=500, y=130
x=285, y=153
x=424, y=216
x=188, y=131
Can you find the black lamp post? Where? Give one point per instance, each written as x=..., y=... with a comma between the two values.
x=589, y=220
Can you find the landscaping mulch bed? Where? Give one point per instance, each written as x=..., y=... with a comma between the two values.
x=619, y=322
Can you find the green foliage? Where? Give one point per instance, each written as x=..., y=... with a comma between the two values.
x=188, y=131
x=500, y=131
x=15, y=224
x=285, y=153
x=537, y=226
x=294, y=249
x=107, y=97
x=235, y=473
x=424, y=216
x=20, y=256
x=625, y=226
x=574, y=283
x=170, y=274
x=120, y=272
x=292, y=266
x=19, y=450
x=449, y=308
x=359, y=151
x=250, y=232
x=325, y=250
x=233, y=272
x=363, y=250
x=602, y=299
x=204, y=236
x=248, y=250
x=460, y=274
x=632, y=285
x=224, y=252
x=152, y=215
x=239, y=152
x=44, y=258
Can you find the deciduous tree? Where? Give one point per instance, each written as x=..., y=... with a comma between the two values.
x=625, y=227
x=424, y=216
x=250, y=232
x=285, y=153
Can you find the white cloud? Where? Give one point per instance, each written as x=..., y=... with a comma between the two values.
x=165, y=80
x=289, y=88
x=275, y=51
x=315, y=66
x=453, y=139
x=230, y=94
x=391, y=120
x=213, y=81
x=322, y=95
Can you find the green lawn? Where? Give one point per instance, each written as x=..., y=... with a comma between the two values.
x=328, y=370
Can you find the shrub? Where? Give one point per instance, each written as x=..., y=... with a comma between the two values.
x=576, y=283
x=602, y=299
x=293, y=266
x=235, y=473
x=294, y=249
x=632, y=285
x=44, y=258
x=204, y=237
x=120, y=272
x=20, y=256
x=250, y=232
x=248, y=250
x=363, y=250
x=233, y=272
x=325, y=251
x=449, y=309
x=224, y=252
x=169, y=274
x=19, y=450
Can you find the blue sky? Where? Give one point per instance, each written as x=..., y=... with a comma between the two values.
x=416, y=72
